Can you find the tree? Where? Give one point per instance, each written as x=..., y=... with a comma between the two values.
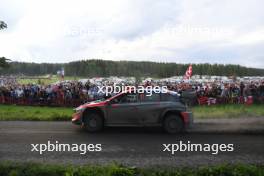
x=92, y=68
x=3, y=25
x=4, y=62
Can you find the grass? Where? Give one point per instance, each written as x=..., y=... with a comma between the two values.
x=13, y=112
x=53, y=79
x=33, y=169
x=228, y=111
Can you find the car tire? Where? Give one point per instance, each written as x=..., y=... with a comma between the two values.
x=173, y=124
x=93, y=122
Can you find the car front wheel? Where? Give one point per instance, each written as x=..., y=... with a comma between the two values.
x=173, y=124
x=93, y=122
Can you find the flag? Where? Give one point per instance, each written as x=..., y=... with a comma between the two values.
x=188, y=73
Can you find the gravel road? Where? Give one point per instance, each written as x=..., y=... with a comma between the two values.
x=135, y=146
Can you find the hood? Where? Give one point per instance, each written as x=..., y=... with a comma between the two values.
x=93, y=104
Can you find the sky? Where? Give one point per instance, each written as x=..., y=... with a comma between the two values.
x=181, y=31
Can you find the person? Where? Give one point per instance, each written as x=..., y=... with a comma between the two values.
x=242, y=86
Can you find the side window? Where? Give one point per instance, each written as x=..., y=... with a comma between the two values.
x=169, y=97
x=150, y=98
x=126, y=98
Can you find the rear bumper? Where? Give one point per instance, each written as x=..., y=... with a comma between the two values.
x=187, y=118
x=76, y=118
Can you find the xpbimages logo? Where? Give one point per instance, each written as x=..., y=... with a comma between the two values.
x=115, y=89
x=191, y=147
x=60, y=147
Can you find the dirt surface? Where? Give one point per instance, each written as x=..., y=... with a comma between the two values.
x=252, y=125
x=135, y=146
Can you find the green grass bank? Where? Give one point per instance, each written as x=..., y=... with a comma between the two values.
x=14, y=112
x=33, y=169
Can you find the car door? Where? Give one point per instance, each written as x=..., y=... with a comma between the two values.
x=123, y=110
x=150, y=108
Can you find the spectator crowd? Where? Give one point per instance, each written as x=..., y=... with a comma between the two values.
x=74, y=93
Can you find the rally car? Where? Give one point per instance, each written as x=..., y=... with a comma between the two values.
x=135, y=109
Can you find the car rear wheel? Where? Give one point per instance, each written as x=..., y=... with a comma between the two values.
x=93, y=122
x=173, y=124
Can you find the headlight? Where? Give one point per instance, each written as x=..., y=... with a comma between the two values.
x=79, y=109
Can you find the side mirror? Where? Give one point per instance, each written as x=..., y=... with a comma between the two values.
x=107, y=96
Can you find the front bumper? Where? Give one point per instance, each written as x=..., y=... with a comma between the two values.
x=76, y=118
x=187, y=118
